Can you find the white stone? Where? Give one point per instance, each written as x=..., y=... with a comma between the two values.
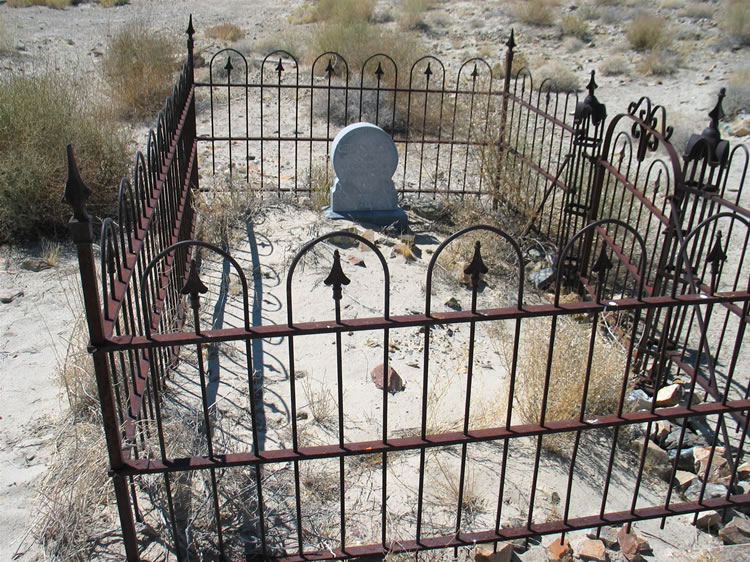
x=364, y=158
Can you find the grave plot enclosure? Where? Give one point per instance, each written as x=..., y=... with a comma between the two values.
x=652, y=241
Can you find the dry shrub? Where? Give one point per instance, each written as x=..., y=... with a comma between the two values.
x=738, y=91
x=334, y=11
x=575, y=26
x=615, y=65
x=567, y=374
x=56, y=4
x=698, y=10
x=472, y=501
x=736, y=19
x=506, y=178
x=39, y=115
x=223, y=208
x=139, y=67
x=411, y=13
x=358, y=40
x=74, y=496
x=536, y=12
x=320, y=179
x=559, y=78
x=648, y=31
x=227, y=32
x=660, y=62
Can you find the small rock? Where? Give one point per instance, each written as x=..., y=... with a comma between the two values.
x=504, y=553
x=589, y=549
x=543, y=278
x=719, y=473
x=559, y=551
x=395, y=382
x=669, y=396
x=343, y=241
x=368, y=235
x=36, y=264
x=741, y=129
x=684, y=479
x=662, y=430
x=453, y=303
x=7, y=297
x=655, y=455
x=632, y=545
x=607, y=534
x=673, y=440
x=639, y=400
x=692, y=493
x=403, y=250
x=302, y=416
x=460, y=275
x=684, y=458
x=356, y=261
x=708, y=521
x=737, y=531
x=743, y=471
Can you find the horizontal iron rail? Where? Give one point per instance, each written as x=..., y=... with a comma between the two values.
x=150, y=466
x=535, y=529
x=350, y=87
x=118, y=343
x=300, y=139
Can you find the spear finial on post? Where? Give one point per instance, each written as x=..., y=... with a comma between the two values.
x=76, y=191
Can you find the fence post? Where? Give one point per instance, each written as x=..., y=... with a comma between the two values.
x=191, y=129
x=511, y=44
x=82, y=232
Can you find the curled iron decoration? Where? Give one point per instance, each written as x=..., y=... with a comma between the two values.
x=649, y=127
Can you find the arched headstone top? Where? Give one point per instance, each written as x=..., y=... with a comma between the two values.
x=361, y=151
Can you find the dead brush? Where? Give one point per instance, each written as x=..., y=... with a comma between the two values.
x=223, y=207
x=74, y=506
x=227, y=32
x=567, y=374
x=449, y=490
x=138, y=67
x=536, y=12
x=320, y=179
x=320, y=401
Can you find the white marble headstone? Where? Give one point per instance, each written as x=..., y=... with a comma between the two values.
x=364, y=159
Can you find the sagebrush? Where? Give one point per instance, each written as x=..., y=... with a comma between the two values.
x=139, y=67
x=39, y=115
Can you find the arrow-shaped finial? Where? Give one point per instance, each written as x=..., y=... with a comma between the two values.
x=476, y=268
x=194, y=286
x=336, y=278
x=190, y=30
x=76, y=191
x=717, y=255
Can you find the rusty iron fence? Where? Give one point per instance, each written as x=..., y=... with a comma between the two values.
x=654, y=244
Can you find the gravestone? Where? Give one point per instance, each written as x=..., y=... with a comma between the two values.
x=364, y=159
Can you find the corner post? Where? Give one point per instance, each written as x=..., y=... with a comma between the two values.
x=82, y=231
x=511, y=44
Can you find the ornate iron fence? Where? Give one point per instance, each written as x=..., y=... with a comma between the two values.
x=645, y=239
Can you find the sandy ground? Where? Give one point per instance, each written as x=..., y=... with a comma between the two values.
x=35, y=326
